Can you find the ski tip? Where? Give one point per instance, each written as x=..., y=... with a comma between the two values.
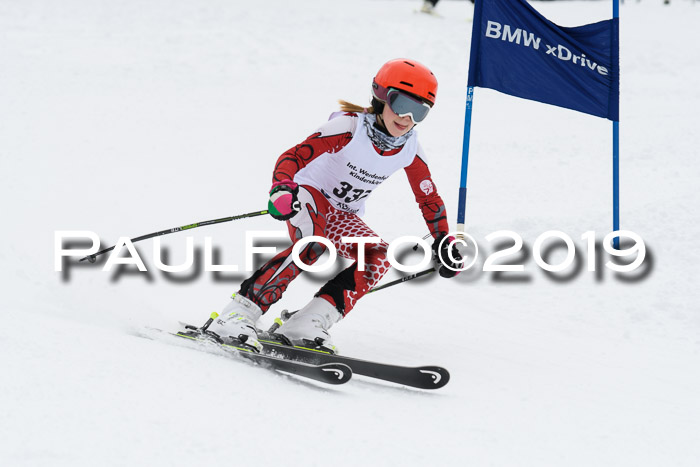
x=433, y=377
x=335, y=373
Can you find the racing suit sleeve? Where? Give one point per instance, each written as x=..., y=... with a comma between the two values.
x=333, y=136
x=431, y=205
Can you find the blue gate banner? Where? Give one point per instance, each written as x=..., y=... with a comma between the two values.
x=517, y=51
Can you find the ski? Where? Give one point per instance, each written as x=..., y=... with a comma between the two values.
x=422, y=377
x=429, y=13
x=325, y=372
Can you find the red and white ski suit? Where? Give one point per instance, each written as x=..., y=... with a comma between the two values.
x=337, y=168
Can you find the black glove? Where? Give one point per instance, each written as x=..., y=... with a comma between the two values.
x=441, y=256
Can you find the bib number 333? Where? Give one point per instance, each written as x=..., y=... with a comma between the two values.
x=349, y=194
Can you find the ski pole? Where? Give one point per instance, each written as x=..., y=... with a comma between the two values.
x=403, y=279
x=92, y=257
x=286, y=314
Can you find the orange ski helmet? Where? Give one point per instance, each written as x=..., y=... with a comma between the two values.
x=405, y=75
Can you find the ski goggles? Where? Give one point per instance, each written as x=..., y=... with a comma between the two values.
x=403, y=104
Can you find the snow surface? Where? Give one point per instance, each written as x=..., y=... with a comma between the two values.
x=128, y=117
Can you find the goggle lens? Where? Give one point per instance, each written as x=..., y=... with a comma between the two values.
x=403, y=104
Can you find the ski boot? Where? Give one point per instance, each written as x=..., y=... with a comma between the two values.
x=236, y=324
x=309, y=326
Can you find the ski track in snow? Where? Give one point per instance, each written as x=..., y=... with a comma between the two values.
x=129, y=117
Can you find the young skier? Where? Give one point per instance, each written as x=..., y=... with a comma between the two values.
x=320, y=187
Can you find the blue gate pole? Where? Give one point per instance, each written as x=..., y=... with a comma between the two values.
x=616, y=159
x=616, y=182
x=462, y=206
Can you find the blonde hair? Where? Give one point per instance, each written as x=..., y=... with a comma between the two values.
x=346, y=106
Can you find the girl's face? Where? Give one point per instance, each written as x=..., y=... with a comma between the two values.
x=397, y=126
